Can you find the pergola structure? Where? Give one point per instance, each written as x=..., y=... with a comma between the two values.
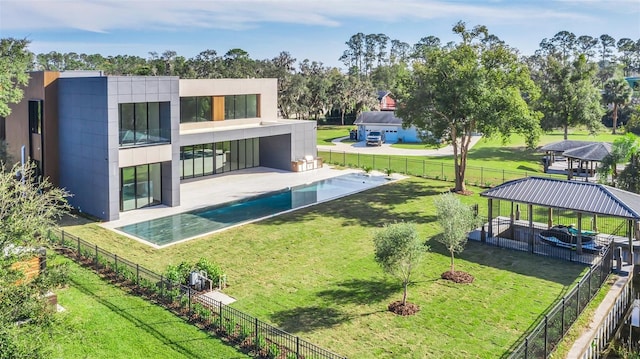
x=587, y=154
x=583, y=198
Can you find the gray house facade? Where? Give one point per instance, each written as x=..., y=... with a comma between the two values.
x=127, y=142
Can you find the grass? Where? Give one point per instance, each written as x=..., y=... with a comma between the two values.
x=328, y=133
x=312, y=272
x=102, y=321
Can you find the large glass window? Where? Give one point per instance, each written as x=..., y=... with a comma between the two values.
x=140, y=186
x=220, y=157
x=141, y=124
x=240, y=106
x=35, y=116
x=195, y=109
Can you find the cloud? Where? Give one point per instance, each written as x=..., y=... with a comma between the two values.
x=108, y=15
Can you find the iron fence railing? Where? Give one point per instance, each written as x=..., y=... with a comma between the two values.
x=438, y=170
x=243, y=329
x=543, y=339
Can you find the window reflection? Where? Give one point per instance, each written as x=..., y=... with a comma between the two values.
x=220, y=157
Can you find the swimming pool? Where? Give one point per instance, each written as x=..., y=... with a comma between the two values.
x=166, y=230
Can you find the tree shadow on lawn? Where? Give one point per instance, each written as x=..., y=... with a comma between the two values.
x=372, y=208
x=143, y=323
x=308, y=319
x=546, y=268
x=506, y=154
x=359, y=291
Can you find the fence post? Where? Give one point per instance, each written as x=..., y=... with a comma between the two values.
x=546, y=325
x=358, y=159
x=62, y=237
x=115, y=256
x=502, y=176
x=406, y=165
x=297, y=347
x=78, y=245
x=161, y=286
x=526, y=347
x=578, y=300
x=424, y=172
x=330, y=152
x=389, y=157
x=189, y=294
x=137, y=274
x=562, y=321
x=256, y=331
x=96, y=259
x=442, y=171
x=481, y=176
x=220, y=311
x=344, y=158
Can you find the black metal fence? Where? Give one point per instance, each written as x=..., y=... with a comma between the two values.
x=476, y=176
x=543, y=339
x=246, y=331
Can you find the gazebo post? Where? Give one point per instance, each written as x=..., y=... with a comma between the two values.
x=550, y=218
x=631, y=228
x=490, y=231
x=570, y=169
x=512, y=218
x=531, y=236
x=594, y=223
x=579, y=243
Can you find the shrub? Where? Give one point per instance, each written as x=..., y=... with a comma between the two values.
x=213, y=270
x=245, y=332
x=230, y=326
x=274, y=351
x=292, y=356
x=261, y=342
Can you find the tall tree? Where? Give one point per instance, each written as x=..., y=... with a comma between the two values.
x=624, y=150
x=27, y=208
x=570, y=95
x=565, y=43
x=398, y=250
x=466, y=88
x=283, y=68
x=607, y=44
x=15, y=61
x=618, y=93
x=352, y=57
x=627, y=48
x=586, y=45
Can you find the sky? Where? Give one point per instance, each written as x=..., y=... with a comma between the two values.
x=308, y=29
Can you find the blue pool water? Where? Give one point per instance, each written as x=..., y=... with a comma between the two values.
x=166, y=230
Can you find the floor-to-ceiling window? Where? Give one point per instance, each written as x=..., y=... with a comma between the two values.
x=140, y=186
x=240, y=106
x=196, y=109
x=220, y=157
x=140, y=124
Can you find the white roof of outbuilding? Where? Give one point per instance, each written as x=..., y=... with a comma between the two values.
x=572, y=195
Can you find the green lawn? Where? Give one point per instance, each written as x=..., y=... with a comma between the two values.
x=327, y=133
x=102, y=321
x=312, y=272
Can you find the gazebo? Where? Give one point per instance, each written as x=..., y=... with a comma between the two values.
x=585, y=154
x=573, y=200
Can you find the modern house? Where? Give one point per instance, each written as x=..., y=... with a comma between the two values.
x=387, y=122
x=119, y=143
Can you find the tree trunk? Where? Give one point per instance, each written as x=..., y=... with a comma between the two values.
x=342, y=118
x=404, y=295
x=452, y=267
x=566, y=132
x=615, y=118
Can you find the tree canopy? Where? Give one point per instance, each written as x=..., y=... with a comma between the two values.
x=398, y=250
x=456, y=220
x=475, y=86
x=15, y=61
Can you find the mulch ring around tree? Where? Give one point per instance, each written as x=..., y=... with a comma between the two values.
x=457, y=276
x=407, y=309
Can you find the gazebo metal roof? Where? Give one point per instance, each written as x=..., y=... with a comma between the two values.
x=578, y=196
x=596, y=151
x=565, y=145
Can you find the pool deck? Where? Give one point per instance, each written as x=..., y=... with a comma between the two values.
x=200, y=193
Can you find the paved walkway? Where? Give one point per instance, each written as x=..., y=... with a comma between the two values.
x=386, y=149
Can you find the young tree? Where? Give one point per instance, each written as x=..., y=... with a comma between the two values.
x=471, y=87
x=398, y=250
x=624, y=149
x=27, y=209
x=15, y=61
x=456, y=220
x=617, y=92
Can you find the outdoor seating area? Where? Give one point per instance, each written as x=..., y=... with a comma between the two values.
x=575, y=158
